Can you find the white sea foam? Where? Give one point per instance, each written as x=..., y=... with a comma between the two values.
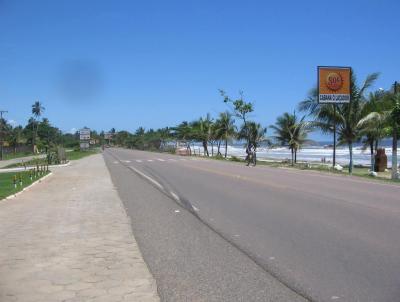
x=311, y=154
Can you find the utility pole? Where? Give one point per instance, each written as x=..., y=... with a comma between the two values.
x=1, y=132
x=395, y=173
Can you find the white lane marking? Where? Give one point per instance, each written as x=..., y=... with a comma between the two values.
x=335, y=297
x=177, y=211
x=271, y=258
x=138, y=161
x=236, y=235
x=127, y=161
x=149, y=160
x=171, y=159
x=176, y=197
x=147, y=177
x=159, y=159
x=195, y=208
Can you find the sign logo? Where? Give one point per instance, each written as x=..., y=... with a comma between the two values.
x=334, y=81
x=334, y=85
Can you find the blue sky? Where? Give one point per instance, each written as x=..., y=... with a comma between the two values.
x=126, y=64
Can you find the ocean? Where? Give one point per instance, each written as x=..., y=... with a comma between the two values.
x=314, y=153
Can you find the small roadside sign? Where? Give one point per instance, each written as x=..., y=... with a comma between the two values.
x=84, y=134
x=334, y=85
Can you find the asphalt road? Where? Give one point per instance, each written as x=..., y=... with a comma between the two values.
x=219, y=231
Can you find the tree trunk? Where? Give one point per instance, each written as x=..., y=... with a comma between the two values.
x=371, y=146
x=219, y=147
x=205, y=148
x=292, y=150
x=351, y=157
x=295, y=156
x=226, y=147
x=395, y=174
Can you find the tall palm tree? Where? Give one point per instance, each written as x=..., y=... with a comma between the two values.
x=346, y=116
x=203, y=132
x=292, y=132
x=395, y=123
x=374, y=125
x=37, y=111
x=254, y=134
x=184, y=132
x=165, y=135
x=391, y=116
x=257, y=134
x=226, y=129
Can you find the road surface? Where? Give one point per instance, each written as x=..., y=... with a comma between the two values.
x=219, y=231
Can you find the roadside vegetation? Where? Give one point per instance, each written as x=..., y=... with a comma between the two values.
x=370, y=117
x=12, y=183
x=70, y=155
x=40, y=137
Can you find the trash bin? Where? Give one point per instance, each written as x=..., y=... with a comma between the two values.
x=380, y=160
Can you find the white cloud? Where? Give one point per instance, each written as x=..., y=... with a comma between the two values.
x=73, y=130
x=12, y=123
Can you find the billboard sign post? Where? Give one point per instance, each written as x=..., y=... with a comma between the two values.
x=84, y=137
x=334, y=87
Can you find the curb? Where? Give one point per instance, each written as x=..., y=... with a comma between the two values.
x=28, y=187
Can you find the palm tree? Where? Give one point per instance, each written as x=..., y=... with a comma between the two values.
x=226, y=129
x=165, y=134
x=292, y=132
x=395, y=122
x=345, y=116
x=254, y=134
x=391, y=116
x=184, y=132
x=257, y=134
x=203, y=132
x=373, y=126
x=37, y=111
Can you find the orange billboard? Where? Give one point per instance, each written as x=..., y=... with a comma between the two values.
x=334, y=85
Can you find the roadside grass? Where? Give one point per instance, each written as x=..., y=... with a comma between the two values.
x=32, y=162
x=71, y=155
x=16, y=155
x=7, y=187
x=77, y=154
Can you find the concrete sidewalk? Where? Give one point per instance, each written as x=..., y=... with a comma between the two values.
x=69, y=239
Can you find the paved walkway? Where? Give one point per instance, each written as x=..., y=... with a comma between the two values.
x=69, y=239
